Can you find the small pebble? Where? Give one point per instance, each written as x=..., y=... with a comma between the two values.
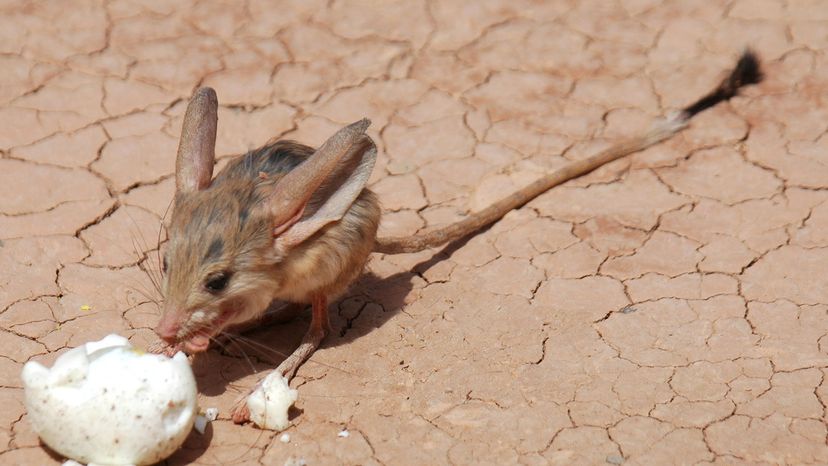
x=628, y=310
x=615, y=459
x=284, y=438
x=343, y=433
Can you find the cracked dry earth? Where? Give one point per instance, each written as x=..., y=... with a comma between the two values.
x=668, y=308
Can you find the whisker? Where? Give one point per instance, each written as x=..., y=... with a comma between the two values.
x=158, y=238
x=138, y=249
x=137, y=235
x=255, y=344
x=141, y=249
x=149, y=275
x=142, y=256
x=153, y=275
x=147, y=293
x=154, y=279
x=144, y=294
x=266, y=349
x=156, y=271
x=241, y=350
x=224, y=350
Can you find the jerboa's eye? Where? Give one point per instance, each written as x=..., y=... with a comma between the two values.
x=217, y=282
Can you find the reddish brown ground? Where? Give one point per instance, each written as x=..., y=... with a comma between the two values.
x=670, y=308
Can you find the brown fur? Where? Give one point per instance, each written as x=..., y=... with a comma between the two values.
x=229, y=213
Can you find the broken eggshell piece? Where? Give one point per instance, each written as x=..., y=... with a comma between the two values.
x=105, y=402
x=270, y=402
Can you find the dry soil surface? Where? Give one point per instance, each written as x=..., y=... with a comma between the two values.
x=668, y=308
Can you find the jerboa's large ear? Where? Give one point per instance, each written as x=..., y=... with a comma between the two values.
x=321, y=189
x=197, y=147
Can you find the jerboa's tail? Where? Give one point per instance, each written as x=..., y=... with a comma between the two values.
x=747, y=71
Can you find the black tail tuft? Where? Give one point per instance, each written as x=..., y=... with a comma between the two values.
x=747, y=71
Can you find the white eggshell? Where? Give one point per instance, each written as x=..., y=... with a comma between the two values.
x=211, y=414
x=269, y=403
x=105, y=402
x=200, y=424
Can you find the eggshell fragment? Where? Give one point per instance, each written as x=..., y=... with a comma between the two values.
x=201, y=420
x=200, y=424
x=211, y=414
x=270, y=402
x=108, y=403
